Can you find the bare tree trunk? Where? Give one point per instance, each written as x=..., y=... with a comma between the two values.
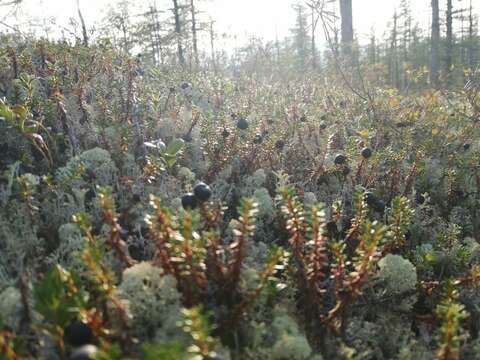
x=212, y=47
x=277, y=48
x=154, y=34
x=373, y=49
x=158, y=40
x=463, y=48
x=449, y=42
x=178, y=31
x=471, y=34
x=435, y=43
x=346, y=14
x=314, y=27
x=82, y=22
x=194, y=33
x=406, y=35
x=394, y=68
x=125, y=37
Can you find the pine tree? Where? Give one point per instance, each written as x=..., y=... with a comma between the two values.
x=449, y=40
x=118, y=25
x=372, y=48
x=193, y=13
x=473, y=41
x=178, y=31
x=346, y=13
x=406, y=35
x=301, y=38
x=393, y=56
x=313, y=5
x=435, y=44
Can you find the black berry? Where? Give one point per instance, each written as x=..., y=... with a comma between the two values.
x=466, y=146
x=242, y=124
x=366, y=153
x=187, y=137
x=332, y=228
x=89, y=196
x=380, y=206
x=370, y=199
x=340, y=159
x=280, y=144
x=189, y=201
x=202, y=191
x=258, y=139
x=420, y=198
x=124, y=234
x=78, y=334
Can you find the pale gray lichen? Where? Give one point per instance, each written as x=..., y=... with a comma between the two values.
x=309, y=199
x=257, y=253
x=100, y=162
x=61, y=205
x=186, y=175
x=98, y=165
x=256, y=180
x=130, y=167
x=248, y=280
x=473, y=249
x=153, y=300
x=265, y=203
x=11, y=307
x=398, y=277
x=290, y=342
x=385, y=338
x=18, y=237
x=462, y=217
x=71, y=243
x=433, y=171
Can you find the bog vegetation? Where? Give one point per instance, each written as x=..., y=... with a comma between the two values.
x=277, y=204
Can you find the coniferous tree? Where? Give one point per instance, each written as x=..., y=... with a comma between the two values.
x=178, y=32
x=406, y=35
x=193, y=13
x=393, y=56
x=151, y=36
x=212, y=36
x=435, y=44
x=346, y=13
x=372, y=48
x=313, y=6
x=118, y=26
x=449, y=40
x=301, y=38
x=473, y=41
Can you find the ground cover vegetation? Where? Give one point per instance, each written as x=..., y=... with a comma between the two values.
x=277, y=204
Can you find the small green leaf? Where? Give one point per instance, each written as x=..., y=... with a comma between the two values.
x=175, y=146
x=58, y=298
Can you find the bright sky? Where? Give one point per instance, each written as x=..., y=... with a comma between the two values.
x=263, y=18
